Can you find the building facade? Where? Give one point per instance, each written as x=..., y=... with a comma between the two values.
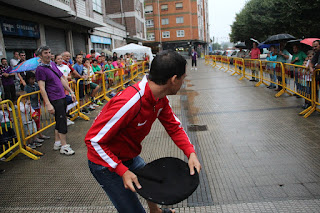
x=73, y=25
x=177, y=25
x=129, y=13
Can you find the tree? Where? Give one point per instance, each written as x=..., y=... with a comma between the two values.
x=262, y=18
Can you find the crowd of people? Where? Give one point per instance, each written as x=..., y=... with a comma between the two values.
x=302, y=76
x=56, y=94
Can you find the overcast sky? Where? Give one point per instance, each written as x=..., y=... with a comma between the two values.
x=222, y=14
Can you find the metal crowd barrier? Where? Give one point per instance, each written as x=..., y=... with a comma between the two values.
x=11, y=144
x=290, y=78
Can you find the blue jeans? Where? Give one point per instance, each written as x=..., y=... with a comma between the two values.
x=123, y=199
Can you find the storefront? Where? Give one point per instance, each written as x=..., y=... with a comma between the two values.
x=19, y=36
x=79, y=42
x=55, y=39
x=100, y=43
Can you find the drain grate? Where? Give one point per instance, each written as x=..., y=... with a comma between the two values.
x=195, y=128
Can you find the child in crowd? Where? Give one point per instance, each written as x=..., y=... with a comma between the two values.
x=29, y=126
x=91, y=88
x=98, y=78
x=307, y=79
x=8, y=135
x=32, y=86
x=110, y=75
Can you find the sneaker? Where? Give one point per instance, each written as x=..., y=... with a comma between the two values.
x=252, y=79
x=69, y=122
x=85, y=110
x=38, y=140
x=191, y=68
x=196, y=69
x=32, y=145
x=94, y=104
x=44, y=137
x=91, y=108
x=57, y=146
x=37, y=144
x=99, y=103
x=66, y=149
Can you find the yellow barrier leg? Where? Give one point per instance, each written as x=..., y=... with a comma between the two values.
x=313, y=108
x=83, y=116
x=33, y=151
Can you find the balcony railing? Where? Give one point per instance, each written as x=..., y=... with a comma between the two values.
x=67, y=2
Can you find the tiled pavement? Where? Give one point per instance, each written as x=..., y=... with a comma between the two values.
x=257, y=154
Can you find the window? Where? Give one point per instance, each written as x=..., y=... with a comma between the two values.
x=166, y=34
x=97, y=6
x=164, y=7
x=150, y=37
x=179, y=6
x=165, y=21
x=179, y=20
x=149, y=23
x=148, y=9
x=180, y=33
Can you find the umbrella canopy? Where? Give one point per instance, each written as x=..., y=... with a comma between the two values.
x=252, y=39
x=27, y=65
x=278, y=38
x=240, y=45
x=309, y=41
x=138, y=50
x=166, y=181
x=303, y=47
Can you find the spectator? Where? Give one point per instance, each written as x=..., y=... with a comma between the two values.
x=298, y=58
x=32, y=86
x=114, y=140
x=93, y=54
x=22, y=75
x=194, y=56
x=272, y=56
x=15, y=60
x=100, y=62
x=28, y=115
x=254, y=54
x=110, y=75
x=117, y=65
x=282, y=56
x=114, y=57
x=82, y=53
x=52, y=84
x=307, y=79
x=315, y=61
x=98, y=74
x=7, y=128
x=79, y=68
x=7, y=81
x=66, y=56
x=91, y=88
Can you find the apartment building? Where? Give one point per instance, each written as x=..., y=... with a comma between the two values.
x=73, y=25
x=177, y=25
x=129, y=13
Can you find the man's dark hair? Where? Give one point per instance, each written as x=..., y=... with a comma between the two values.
x=79, y=54
x=94, y=60
x=109, y=59
x=92, y=51
x=41, y=49
x=22, y=52
x=3, y=59
x=317, y=41
x=14, y=52
x=165, y=65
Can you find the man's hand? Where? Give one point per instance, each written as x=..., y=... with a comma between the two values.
x=194, y=163
x=50, y=108
x=73, y=97
x=128, y=179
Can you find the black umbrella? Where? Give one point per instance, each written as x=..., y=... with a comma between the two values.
x=278, y=38
x=303, y=47
x=166, y=181
x=240, y=45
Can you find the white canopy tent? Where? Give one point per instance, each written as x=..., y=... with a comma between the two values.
x=137, y=50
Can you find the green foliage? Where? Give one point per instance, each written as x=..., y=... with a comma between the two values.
x=262, y=18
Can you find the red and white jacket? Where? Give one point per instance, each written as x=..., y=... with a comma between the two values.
x=119, y=129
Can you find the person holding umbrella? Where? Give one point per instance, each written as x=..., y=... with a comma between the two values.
x=114, y=139
x=282, y=56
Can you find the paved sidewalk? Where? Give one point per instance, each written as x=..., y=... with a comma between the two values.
x=257, y=153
